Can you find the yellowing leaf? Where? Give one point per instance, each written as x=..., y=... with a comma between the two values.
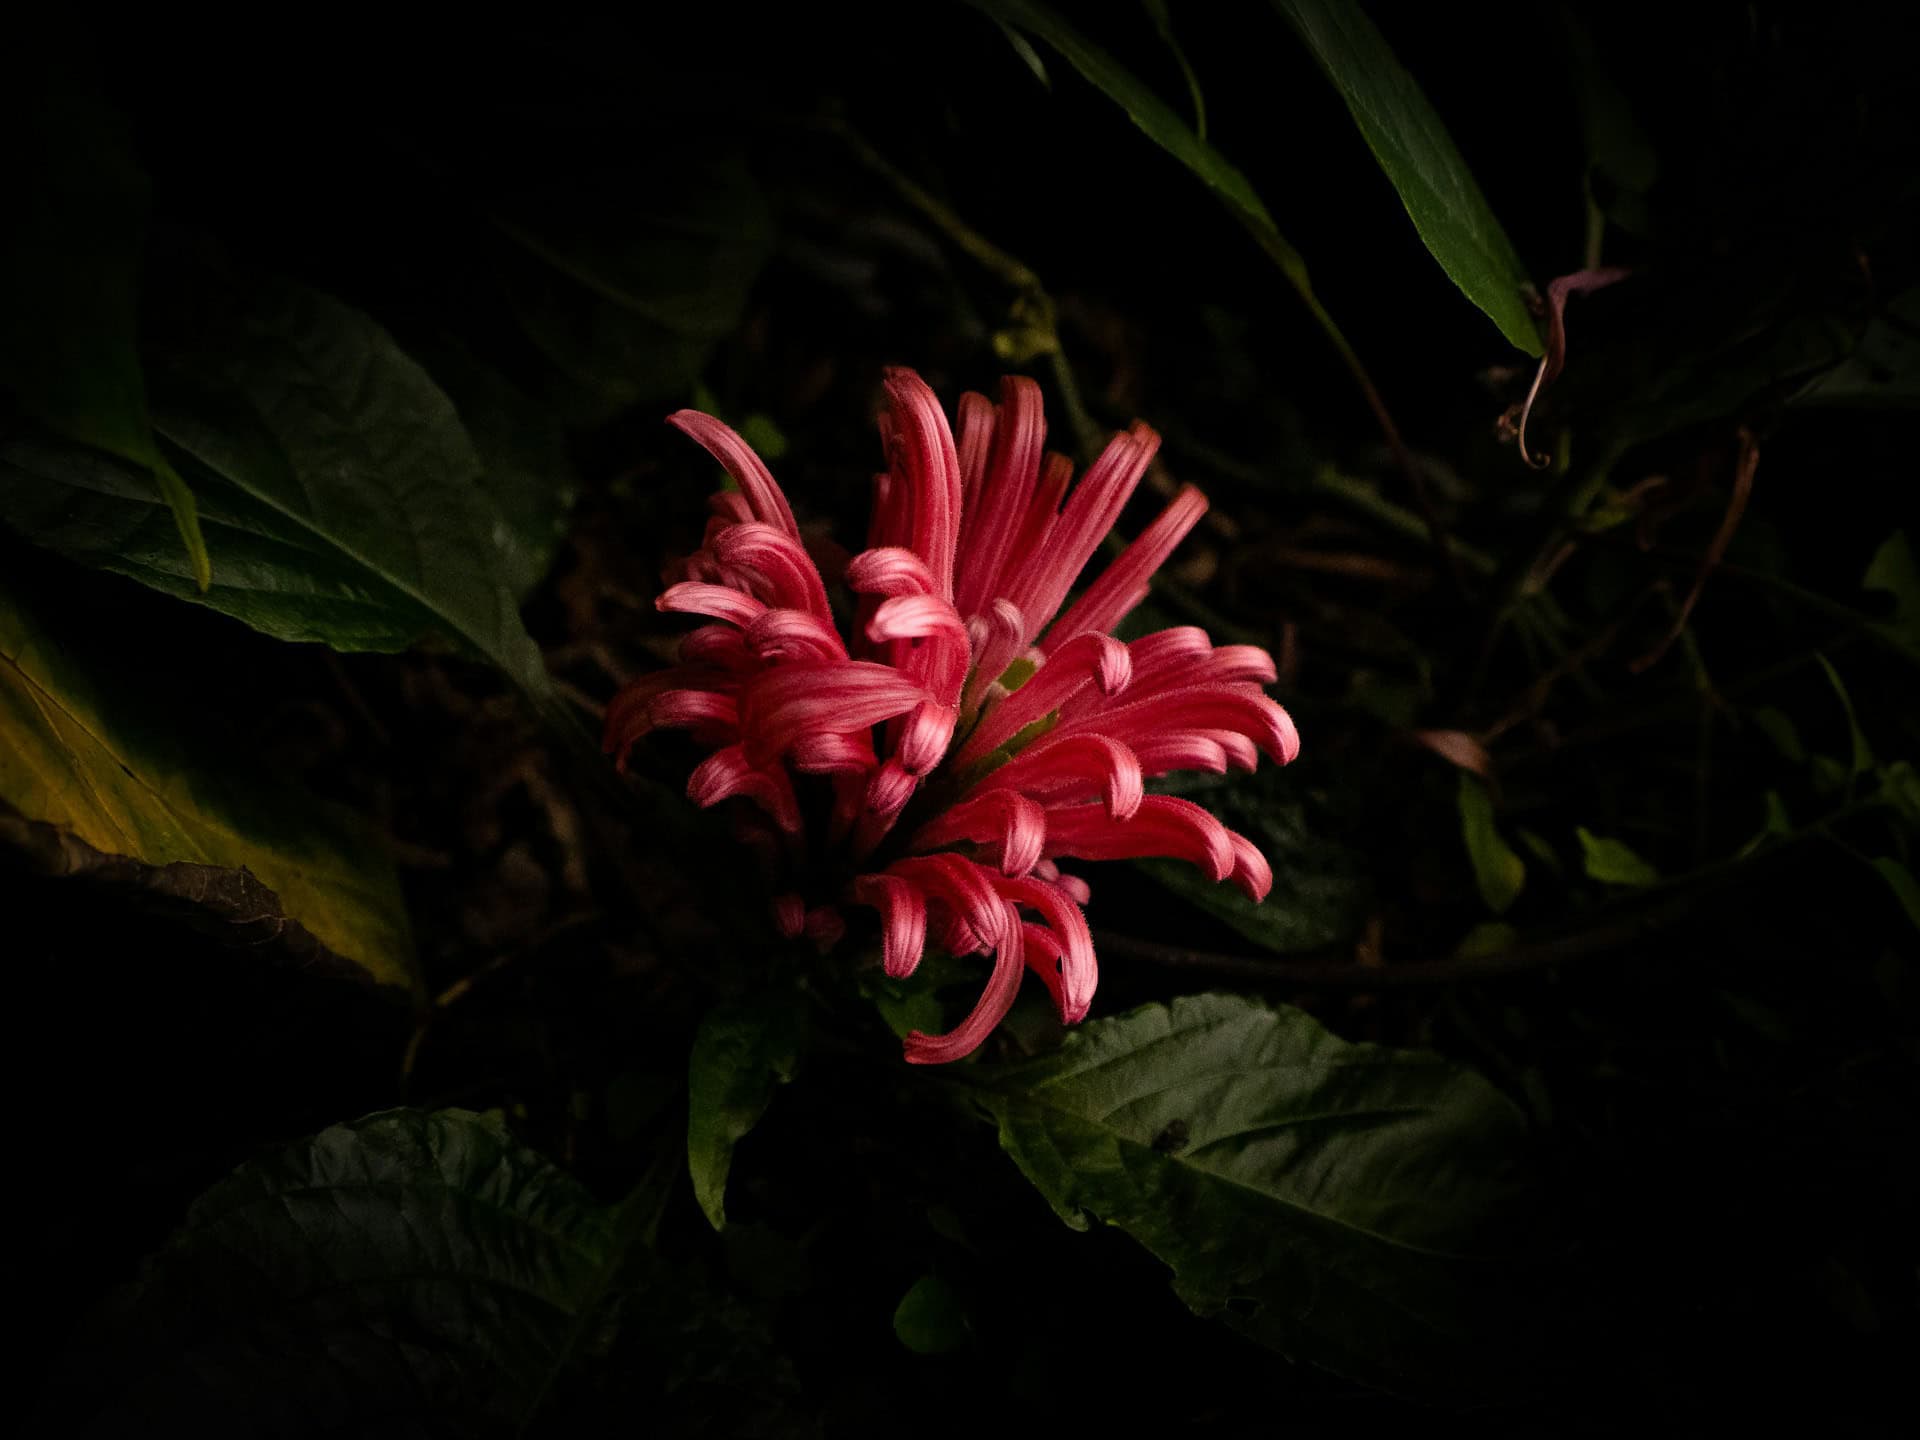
x=76, y=755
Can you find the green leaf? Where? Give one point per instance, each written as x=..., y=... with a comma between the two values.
x=70, y=256
x=351, y=504
x=1861, y=759
x=1498, y=872
x=1613, y=863
x=1420, y=158
x=86, y=753
x=1321, y=888
x=525, y=473
x=1348, y=1205
x=410, y=1273
x=1900, y=881
x=929, y=1320
x=741, y=1052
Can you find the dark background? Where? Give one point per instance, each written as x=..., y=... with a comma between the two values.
x=1722, y=1100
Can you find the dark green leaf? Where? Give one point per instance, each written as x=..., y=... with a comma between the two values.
x=1420, y=158
x=1345, y=1204
x=524, y=469
x=408, y=1273
x=929, y=1320
x=741, y=1052
x=111, y=792
x=1499, y=873
x=352, y=506
x=70, y=256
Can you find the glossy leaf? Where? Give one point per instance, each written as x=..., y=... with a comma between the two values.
x=70, y=258
x=1420, y=158
x=93, y=759
x=1344, y=1204
x=1498, y=872
x=742, y=1051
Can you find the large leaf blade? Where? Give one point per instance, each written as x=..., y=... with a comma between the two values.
x=409, y=1264
x=80, y=754
x=1441, y=196
x=1347, y=1205
x=313, y=411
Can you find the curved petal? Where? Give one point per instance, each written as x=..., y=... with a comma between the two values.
x=903, y=920
x=998, y=817
x=1003, y=985
x=1078, y=971
x=1097, y=658
x=736, y=457
x=1073, y=767
x=1164, y=825
x=722, y=602
x=1121, y=585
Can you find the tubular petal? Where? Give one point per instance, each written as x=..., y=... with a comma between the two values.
x=736, y=457
x=989, y=530
x=787, y=634
x=923, y=449
x=1164, y=825
x=1004, y=817
x=1099, y=658
x=1008, y=964
x=1077, y=766
x=1078, y=970
x=782, y=560
x=1251, y=872
x=694, y=597
x=889, y=570
x=1109, y=599
x=903, y=920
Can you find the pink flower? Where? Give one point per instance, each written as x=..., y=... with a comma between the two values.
x=970, y=735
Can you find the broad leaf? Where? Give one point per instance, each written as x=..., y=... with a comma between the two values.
x=1420, y=158
x=408, y=1273
x=1498, y=872
x=84, y=756
x=741, y=1052
x=1347, y=1205
x=311, y=410
x=70, y=257
x=349, y=503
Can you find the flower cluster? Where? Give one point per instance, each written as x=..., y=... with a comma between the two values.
x=971, y=734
